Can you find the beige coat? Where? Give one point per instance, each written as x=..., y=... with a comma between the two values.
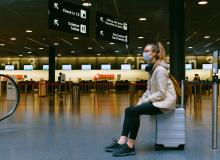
x=160, y=89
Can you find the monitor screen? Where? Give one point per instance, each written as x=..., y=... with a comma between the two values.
x=28, y=67
x=67, y=67
x=9, y=67
x=106, y=67
x=188, y=66
x=125, y=66
x=207, y=66
x=143, y=66
x=86, y=67
x=46, y=67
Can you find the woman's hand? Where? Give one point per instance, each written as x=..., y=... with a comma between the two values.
x=139, y=103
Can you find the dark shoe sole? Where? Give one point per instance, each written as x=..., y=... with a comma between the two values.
x=109, y=150
x=124, y=154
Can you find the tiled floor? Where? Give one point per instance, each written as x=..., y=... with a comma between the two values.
x=60, y=128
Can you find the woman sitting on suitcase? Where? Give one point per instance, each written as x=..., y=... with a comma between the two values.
x=159, y=97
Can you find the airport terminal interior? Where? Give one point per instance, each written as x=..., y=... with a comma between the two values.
x=69, y=68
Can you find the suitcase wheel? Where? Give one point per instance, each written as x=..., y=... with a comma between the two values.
x=158, y=147
x=181, y=147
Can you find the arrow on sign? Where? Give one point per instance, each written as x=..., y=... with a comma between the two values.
x=101, y=33
x=101, y=19
x=55, y=5
x=56, y=22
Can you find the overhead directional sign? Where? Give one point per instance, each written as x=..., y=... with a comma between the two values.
x=67, y=25
x=67, y=17
x=111, y=29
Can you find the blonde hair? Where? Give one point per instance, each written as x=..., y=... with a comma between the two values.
x=159, y=49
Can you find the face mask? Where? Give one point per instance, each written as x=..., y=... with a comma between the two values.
x=147, y=56
x=149, y=67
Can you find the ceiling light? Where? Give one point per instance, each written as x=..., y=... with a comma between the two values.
x=72, y=51
x=41, y=48
x=2, y=44
x=142, y=19
x=20, y=55
x=140, y=37
x=203, y=2
x=29, y=31
x=75, y=37
x=56, y=44
x=59, y=55
x=12, y=39
x=111, y=43
x=139, y=54
x=206, y=37
x=98, y=54
x=87, y=4
x=27, y=48
x=168, y=43
x=190, y=47
x=29, y=52
x=89, y=47
x=139, y=47
x=116, y=51
x=207, y=50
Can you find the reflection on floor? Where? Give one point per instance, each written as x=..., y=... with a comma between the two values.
x=62, y=127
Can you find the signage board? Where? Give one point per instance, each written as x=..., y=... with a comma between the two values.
x=66, y=9
x=188, y=66
x=112, y=29
x=9, y=67
x=68, y=17
x=67, y=25
x=143, y=66
x=46, y=67
x=207, y=66
x=11, y=89
x=28, y=67
x=106, y=67
x=67, y=67
x=86, y=67
x=125, y=66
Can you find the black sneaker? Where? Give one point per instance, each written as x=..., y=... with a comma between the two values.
x=113, y=146
x=124, y=150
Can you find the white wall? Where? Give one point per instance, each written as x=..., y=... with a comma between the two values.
x=204, y=74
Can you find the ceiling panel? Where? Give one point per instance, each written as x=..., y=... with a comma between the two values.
x=18, y=15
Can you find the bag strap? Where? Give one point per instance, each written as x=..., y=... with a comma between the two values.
x=181, y=105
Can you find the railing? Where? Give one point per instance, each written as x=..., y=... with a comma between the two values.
x=9, y=96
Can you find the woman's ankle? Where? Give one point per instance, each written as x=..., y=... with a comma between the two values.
x=122, y=140
x=130, y=143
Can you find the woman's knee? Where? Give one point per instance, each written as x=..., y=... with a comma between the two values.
x=131, y=112
x=128, y=110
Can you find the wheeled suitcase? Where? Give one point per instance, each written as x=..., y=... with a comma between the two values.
x=170, y=128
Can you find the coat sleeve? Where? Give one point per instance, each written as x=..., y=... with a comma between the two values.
x=145, y=95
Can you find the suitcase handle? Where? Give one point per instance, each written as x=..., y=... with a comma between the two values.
x=182, y=93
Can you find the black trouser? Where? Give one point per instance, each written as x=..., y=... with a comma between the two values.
x=132, y=118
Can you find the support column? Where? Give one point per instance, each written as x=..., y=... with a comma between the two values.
x=177, y=39
x=52, y=64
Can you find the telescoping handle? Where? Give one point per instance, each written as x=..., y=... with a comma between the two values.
x=182, y=93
